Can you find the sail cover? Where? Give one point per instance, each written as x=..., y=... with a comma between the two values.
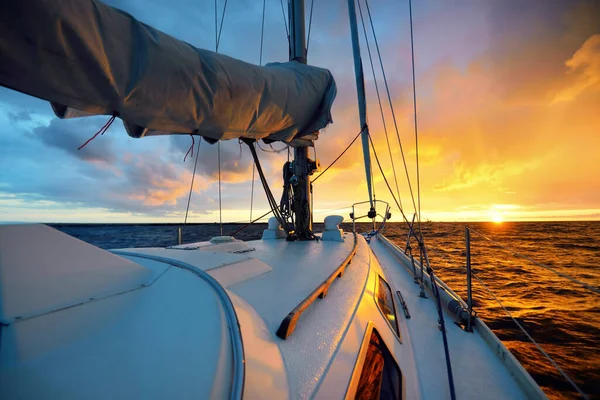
x=87, y=58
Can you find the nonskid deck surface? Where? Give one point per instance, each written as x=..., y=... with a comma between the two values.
x=478, y=374
x=284, y=274
x=288, y=271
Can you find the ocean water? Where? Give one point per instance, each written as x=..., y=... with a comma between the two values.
x=562, y=317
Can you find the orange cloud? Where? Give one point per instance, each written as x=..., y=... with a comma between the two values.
x=584, y=67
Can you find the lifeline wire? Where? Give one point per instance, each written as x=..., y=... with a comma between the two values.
x=561, y=274
x=559, y=369
x=531, y=339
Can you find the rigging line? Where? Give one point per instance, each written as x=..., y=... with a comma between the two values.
x=389, y=96
x=216, y=27
x=312, y=6
x=191, y=149
x=418, y=238
x=220, y=205
x=340, y=156
x=387, y=183
x=218, y=37
x=517, y=254
x=217, y=41
x=379, y=101
x=262, y=36
x=414, y=84
x=252, y=191
x=268, y=193
x=262, y=33
x=192, y=183
x=101, y=131
x=559, y=369
x=287, y=31
x=250, y=223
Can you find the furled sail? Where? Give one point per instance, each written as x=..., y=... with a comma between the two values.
x=87, y=58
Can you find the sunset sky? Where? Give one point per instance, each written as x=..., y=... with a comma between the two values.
x=508, y=97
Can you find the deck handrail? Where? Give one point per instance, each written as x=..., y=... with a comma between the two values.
x=288, y=325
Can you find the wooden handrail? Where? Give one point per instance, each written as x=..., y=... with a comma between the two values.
x=288, y=325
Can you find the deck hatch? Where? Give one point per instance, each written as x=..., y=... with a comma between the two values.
x=380, y=377
x=385, y=302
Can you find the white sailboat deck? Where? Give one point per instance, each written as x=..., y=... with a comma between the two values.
x=179, y=335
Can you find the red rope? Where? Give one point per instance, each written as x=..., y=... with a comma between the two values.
x=100, y=132
x=191, y=148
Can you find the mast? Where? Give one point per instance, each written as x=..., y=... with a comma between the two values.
x=302, y=205
x=362, y=102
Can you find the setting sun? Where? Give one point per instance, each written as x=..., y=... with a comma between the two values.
x=496, y=217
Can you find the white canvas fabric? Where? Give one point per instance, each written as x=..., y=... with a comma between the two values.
x=87, y=58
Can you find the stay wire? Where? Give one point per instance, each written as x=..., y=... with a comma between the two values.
x=187, y=209
x=272, y=203
x=287, y=31
x=389, y=96
x=262, y=36
x=217, y=41
x=387, y=183
x=262, y=33
x=218, y=37
x=380, y=104
x=312, y=6
x=340, y=156
x=414, y=84
x=220, y=204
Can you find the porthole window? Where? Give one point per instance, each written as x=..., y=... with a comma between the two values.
x=385, y=301
x=380, y=377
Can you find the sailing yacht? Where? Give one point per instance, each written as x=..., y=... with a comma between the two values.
x=294, y=315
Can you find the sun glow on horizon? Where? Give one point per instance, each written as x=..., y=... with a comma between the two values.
x=496, y=217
